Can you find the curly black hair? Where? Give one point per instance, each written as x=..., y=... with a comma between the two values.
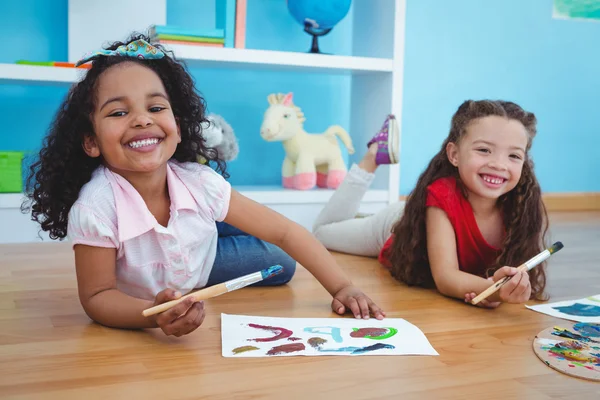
x=62, y=166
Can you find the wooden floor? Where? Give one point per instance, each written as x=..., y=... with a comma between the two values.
x=50, y=349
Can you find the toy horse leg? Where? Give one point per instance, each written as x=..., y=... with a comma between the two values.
x=322, y=175
x=306, y=174
x=288, y=169
x=337, y=172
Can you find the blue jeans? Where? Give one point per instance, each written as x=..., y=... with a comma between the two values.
x=239, y=254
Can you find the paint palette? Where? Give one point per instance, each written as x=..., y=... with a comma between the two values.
x=573, y=349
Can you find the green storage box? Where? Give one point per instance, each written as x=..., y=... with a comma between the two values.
x=11, y=178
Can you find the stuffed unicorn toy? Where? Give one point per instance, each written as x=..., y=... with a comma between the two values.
x=311, y=159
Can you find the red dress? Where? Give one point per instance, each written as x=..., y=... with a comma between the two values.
x=475, y=254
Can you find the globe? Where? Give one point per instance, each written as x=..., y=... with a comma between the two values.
x=318, y=16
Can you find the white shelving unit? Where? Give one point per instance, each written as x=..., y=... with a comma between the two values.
x=376, y=70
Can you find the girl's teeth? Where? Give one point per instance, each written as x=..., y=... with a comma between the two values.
x=141, y=143
x=496, y=181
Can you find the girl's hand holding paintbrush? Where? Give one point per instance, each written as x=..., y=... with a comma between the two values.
x=510, y=285
x=516, y=290
x=182, y=318
x=179, y=315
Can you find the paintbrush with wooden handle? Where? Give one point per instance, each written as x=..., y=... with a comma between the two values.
x=522, y=268
x=219, y=289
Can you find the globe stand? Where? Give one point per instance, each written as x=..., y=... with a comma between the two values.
x=315, y=37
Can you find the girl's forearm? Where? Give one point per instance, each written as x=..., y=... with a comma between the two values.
x=118, y=310
x=458, y=283
x=308, y=251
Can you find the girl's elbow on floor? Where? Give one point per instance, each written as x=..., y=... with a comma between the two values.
x=91, y=309
x=88, y=307
x=445, y=287
x=91, y=312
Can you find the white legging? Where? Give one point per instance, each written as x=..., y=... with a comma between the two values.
x=338, y=229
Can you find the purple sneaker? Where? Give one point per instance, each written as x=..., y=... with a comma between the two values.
x=387, y=142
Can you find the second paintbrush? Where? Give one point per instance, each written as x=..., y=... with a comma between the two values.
x=543, y=256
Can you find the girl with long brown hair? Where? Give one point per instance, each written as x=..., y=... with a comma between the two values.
x=476, y=210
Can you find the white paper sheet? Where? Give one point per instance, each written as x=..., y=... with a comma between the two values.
x=253, y=336
x=581, y=310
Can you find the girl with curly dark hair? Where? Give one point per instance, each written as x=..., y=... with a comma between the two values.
x=476, y=209
x=118, y=175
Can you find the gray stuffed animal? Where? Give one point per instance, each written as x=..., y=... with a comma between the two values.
x=220, y=136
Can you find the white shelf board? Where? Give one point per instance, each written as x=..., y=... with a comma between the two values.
x=222, y=57
x=269, y=195
x=217, y=57
x=34, y=73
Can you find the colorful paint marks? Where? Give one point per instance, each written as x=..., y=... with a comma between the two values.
x=586, y=309
x=373, y=347
x=580, y=310
x=358, y=350
x=374, y=333
x=589, y=330
x=326, y=330
x=572, y=335
x=576, y=351
x=243, y=349
x=244, y=336
x=280, y=333
x=286, y=348
x=316, y=342
x=576, y=354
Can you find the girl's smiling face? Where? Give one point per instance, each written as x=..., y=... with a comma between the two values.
x=490, y=156
x=134, y=126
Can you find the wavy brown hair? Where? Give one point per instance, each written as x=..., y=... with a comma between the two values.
x=524, y=213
